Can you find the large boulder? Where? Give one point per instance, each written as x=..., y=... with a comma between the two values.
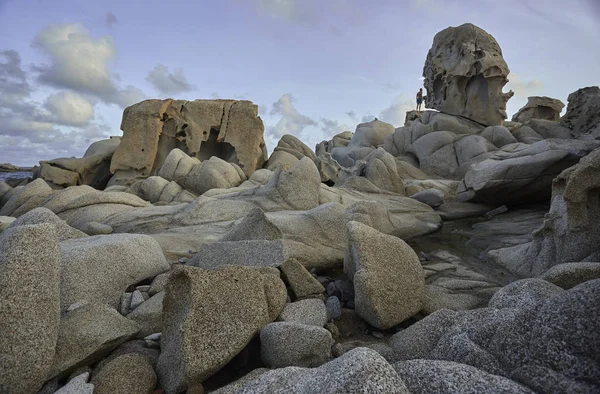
x=228, y=129
x=521, y=173
x=26, y=198
x=465, y=73
x=92, y=169
x=360, y=370
x=571, y=232
x=285, y=344
x=127, y=374
x=388, y=278
x=539, y=107
x=533, y=332
x=44, y=215
x=338, y=141
x=209, y=317
x=87, y=334
x=583, y=112
x=371, y=134
x=288, y=151
x=436, y=376
x=29, y=310
x=100, y=268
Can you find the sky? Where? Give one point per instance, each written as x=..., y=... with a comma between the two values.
x=315, y=68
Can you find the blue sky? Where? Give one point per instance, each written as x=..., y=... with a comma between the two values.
x=314, y=67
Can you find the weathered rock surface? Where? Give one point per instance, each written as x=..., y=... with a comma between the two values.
x=435, y=376
x=77, y=385
x=44, y=215
x=128, y=374
x=528, y=334
x=583, y=112
x=288, y=151
x=311, y=312
x=29, y=311
x=465, y=73
x=359, y=370
x=301, y=281
x=92, y=169
x=571, y=232
x=388, y=278
x=568, y=275
x=520, y=172
x=539, y=107
x=100, y=268
x=149, y=315
x=285, y=344
x=27, y=198
x=227, y=129
x=213, y=313
x=87, y=334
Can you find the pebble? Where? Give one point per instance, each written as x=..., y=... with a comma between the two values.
x=136, y=299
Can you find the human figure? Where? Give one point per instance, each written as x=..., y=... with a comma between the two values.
x=419, y=98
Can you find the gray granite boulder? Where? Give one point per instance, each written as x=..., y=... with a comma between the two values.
x=214, y=313
x=30, y=306
x=44, y=215
x=441, y=377
x=127, y=374
x=583, y=112
x=358, y=371
x=432, y=197
x=569, y=275
x=285, y=344
x=149, y=315
x=77, y=385
x=87, y=334
x=311, y=312
x=388, y=278
x=100, y=268
x=539, y=107
x=302, y=283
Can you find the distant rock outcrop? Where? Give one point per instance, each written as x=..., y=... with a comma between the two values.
x=583, y=112
x=228, y=129
x=465, y=73
x=539, y=107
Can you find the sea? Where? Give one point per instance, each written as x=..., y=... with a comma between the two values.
x=17, y=174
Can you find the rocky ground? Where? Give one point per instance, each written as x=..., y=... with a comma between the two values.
x=457, y=253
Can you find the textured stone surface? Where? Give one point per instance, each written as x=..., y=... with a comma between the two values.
x=539, y=107
x=29, y=307
x=158, y=283
x=87, y=334
x=128, y=374
x=432, y=197
x=436, y=377
x=201, y=128
x=77, y=385
x=358, y=371
x=100, y=268
x=524, y=293
x=465, y=73
x=149, y=315
x=288, y=151
x=18, y=203
x=254, y=226
x=311, y=312
x=569, y=275
x=300, y=280
x=571, y=231
x=387, y=275
x=286, y=344
x=213, y=313
x=44, y=215
x=583, y=112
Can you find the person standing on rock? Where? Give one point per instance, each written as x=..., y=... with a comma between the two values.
x=419, y=98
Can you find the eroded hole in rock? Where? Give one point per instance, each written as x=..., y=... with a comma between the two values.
x=213, y=147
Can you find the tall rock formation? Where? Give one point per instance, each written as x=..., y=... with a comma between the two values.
x=465, y=73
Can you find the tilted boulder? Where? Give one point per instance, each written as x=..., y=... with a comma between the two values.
x=465, y=73
x=539, y=107
x=228, y=129
x=30, y=306
x=388, y=279
x=338, y=141
x=209, y=316
x=583, y=112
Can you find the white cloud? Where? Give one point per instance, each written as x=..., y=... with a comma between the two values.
x=332, y=127
x=304, y=11
x=70, y=108
x=396, y=112
x=524, y=88
x=291, y=121
x=169, y=83
x=80, y=62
